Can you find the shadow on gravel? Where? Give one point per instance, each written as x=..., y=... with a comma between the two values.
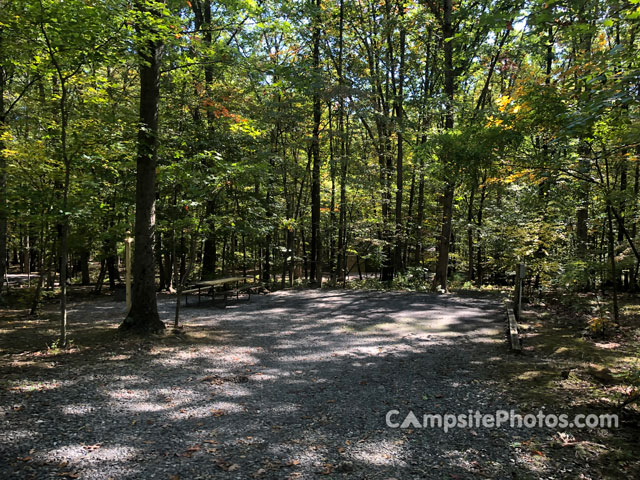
x=292, y=385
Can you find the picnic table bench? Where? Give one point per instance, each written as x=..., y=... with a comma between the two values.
x=208, y=289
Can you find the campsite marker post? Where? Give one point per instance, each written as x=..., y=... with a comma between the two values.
x=127, y=260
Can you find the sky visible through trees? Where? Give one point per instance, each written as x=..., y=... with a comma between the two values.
x=440, y=141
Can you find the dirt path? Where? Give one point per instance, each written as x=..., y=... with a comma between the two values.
x=290, y=385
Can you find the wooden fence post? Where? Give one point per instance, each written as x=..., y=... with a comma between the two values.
x=517, y=301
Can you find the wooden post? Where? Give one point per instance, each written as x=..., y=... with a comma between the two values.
x=517, y=301
x=127, y=260
x=27, y=261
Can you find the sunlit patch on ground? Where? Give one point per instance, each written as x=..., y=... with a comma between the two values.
x=25, y=386
x=382, y=452
x=291, y=385
x=77, y=409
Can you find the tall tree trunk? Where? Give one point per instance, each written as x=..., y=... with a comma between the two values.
x=333, y=264
x=634, y=225
x=225, y=254
x=266, y=269
x=209, y=255
x=244, y=256
x=470, y=271
x=143, y=316
x=342, y=253
x=101, y=274
x=442, y=264
x=622, y=203
x=3, y=177
x=424, y=121
x=63, y=225
x=162, y=277
x=412, y=196
x=444, y=242
x=84, y=267
x=316, y=243
x=112, y=268
x=305, y=255
x=582, y=231
x=183, y=257
x=42, y=266
x=479, y=264
x=420, y=218
x=583, y=95
x=64, y=247
x=168, y=268
x=612, y=260
x=286, y=253
x=399, y=110
x=177, y=281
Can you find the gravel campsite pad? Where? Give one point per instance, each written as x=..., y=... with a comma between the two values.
x=295, y=384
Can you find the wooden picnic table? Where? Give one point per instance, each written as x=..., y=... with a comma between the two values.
x=221, y=281
x=207, y=288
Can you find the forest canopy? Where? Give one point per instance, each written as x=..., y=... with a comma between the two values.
x=439, y=140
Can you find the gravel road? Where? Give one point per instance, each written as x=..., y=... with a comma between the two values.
x=295, y=384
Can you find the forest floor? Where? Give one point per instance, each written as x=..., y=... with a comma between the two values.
x=564, y=362
x=291, y=385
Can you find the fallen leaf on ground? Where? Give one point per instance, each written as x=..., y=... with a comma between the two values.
x=327, y=469
x=69, y=475
x=223, y=464
x=259, y=473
